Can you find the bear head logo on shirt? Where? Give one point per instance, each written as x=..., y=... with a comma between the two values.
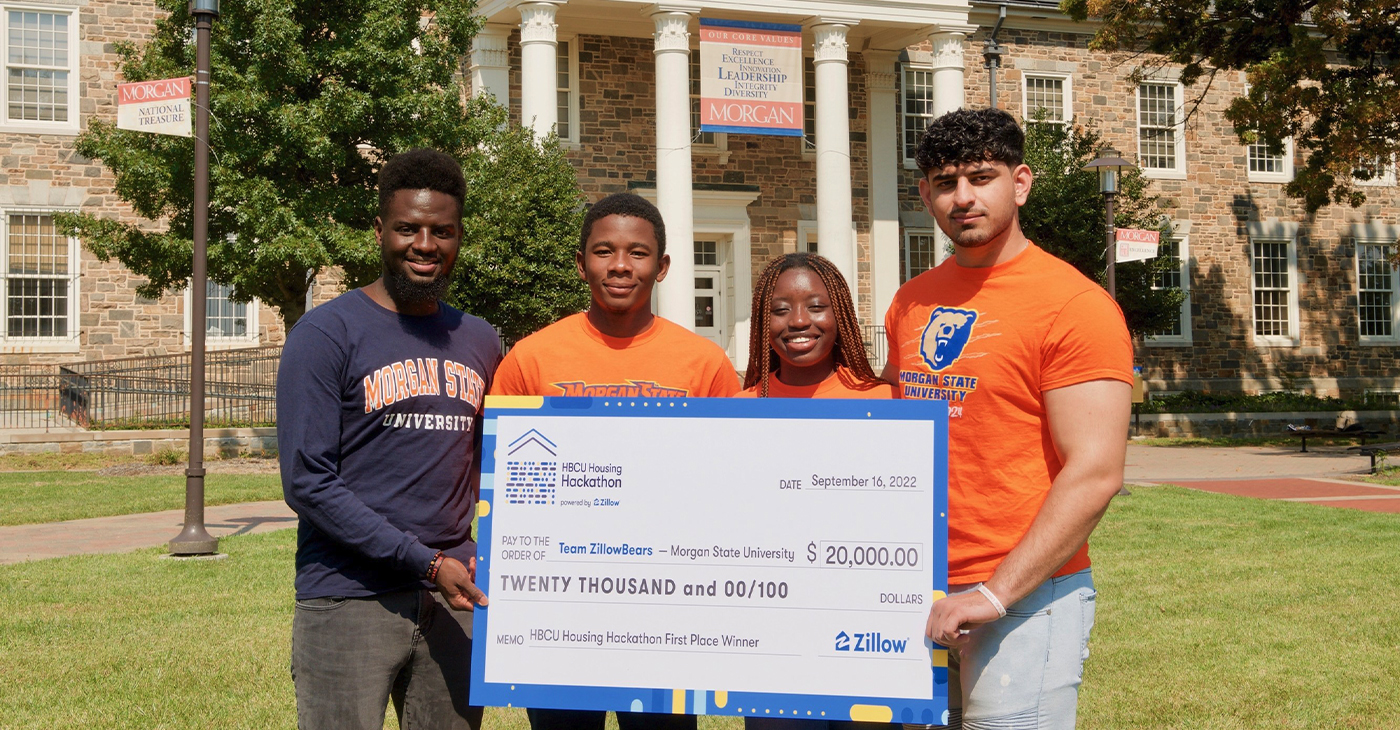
x=945, y=336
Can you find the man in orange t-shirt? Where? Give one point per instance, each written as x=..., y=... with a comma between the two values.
x=1035, y=363
x=618, y=348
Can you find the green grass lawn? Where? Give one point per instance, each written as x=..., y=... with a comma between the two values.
x=51, y=496
x=1226, y=441
x=1214, y=612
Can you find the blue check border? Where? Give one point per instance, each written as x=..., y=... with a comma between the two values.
x=712, y=701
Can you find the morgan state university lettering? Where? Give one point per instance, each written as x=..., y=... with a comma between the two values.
x=414, y=377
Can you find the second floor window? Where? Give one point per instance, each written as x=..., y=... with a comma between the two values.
x=916, y=106
x=38, y=64
x=1159, y=128
x=1047, y=95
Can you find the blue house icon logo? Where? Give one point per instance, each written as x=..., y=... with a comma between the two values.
x=533, y=437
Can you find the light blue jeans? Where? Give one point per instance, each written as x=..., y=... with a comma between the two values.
x=1023, y=672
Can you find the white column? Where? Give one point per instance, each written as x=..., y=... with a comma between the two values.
x=676, y=295
x=947, y=40
x=539, y=77
x=884, y=180
x=491, y=63
x=834, y=150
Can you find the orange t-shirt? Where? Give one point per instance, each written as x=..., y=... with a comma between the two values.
x=571, y=357
x=990, y=341
x=840, y=384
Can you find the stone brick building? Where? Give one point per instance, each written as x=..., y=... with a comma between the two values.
x=1277, y=299
x=61, y=303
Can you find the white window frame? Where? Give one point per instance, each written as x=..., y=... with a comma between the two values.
x=67, y=343
x=572, y=140
x=1161, y=173
x=1184, y=256
x=1286, y=175
x=720, y=145
x=904, y=70
x=73, y=125
x=1387, y=179
x=251, y=339
x=806, y=236
x=808, y=145
x=1292, y=339
x=1027, y=114
x=1394, y=337
x=940, y=253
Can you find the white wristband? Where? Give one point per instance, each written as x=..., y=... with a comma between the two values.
x=985, y=591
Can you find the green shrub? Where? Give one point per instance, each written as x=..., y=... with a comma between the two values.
x=1190, y=401
x=167, y=457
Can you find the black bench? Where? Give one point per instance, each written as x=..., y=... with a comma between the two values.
x=1352, y=431
x=1375, y=450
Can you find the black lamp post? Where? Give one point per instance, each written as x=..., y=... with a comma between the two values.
x=194, y=539
x=1109, y=165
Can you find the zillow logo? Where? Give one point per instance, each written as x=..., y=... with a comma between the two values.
x=872, y=643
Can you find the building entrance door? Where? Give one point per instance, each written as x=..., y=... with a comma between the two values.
x=710, y=315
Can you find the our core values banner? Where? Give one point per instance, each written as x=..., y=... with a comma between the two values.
x=158, y=107
x=750, y=78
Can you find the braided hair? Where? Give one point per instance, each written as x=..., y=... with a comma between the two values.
x=849, y=351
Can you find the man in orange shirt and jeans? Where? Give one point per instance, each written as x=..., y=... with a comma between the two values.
x=1035, y=363
x=618, y=348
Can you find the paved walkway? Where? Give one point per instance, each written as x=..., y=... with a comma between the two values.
x=1266, y=472
x=131, y=532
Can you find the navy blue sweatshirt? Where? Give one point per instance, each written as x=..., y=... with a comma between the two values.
x=378, y=418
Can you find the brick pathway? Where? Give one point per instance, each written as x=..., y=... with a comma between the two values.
x=132, y=532
x=1265, y=472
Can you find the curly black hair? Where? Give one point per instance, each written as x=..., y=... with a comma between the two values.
x=628, y=204
x=971, y=135
x=421, y=169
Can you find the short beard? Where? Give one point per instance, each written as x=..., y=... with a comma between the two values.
x=407, y=292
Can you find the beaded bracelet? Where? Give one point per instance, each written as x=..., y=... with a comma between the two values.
x=434, y=566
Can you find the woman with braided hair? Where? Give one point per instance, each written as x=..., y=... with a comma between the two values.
x=805, y=341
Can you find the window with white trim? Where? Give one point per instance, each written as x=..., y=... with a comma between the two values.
x=1379, y=172
x=1161, y=138
x=1273, y=267
x=41, y=79
x=1177, y=276
x=916, y=106
x=1052, y=93
x=41, y=279
x=225, y=321
x=920, y=252
x=715, y=140
x=1267, y=165
x=809, y=105
x=1377, y=286
x=566, y=82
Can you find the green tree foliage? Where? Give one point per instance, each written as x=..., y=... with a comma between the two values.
x=308, y=99
x=522, y=221
x=1065, y=216
x=1323, y=72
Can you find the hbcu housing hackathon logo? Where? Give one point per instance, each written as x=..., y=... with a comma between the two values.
x=870, y=643
x=529, y=481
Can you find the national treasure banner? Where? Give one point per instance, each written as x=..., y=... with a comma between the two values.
x=750, y=78
x=157, y=107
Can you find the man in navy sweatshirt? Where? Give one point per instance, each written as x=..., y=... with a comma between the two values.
x=379, y=399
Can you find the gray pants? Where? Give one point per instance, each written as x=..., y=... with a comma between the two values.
x=351, y=656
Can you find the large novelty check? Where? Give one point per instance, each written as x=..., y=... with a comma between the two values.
x=713, y=556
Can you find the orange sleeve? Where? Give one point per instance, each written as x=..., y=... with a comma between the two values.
x=1087, y=341
x=892, y=337
x=510, y=378
x=725, y=382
